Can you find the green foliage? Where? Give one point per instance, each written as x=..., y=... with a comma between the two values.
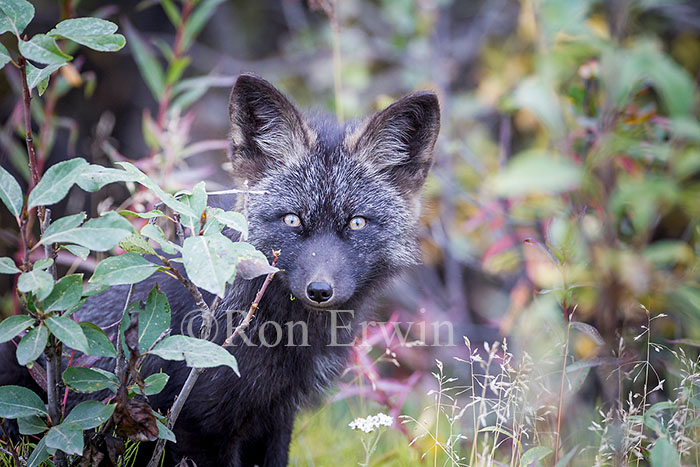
x=154, y=320
x=95, y=33
x=10, y=192
x=56, y=182
x=13, y=325
x=68, y=437
x=128, y=268
x=98, y=342
x=197, y=353
x=81, y=379
x=49, y=327
x=69, y=332
x=15, y=15
x=90, y=414
x=16, y=401
x=32, y=344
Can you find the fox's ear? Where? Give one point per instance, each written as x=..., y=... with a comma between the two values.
x=266, y=128
x=399, y=140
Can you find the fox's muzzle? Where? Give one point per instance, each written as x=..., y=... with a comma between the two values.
x=320, y=275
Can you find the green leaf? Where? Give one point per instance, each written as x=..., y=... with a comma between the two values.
x=198, y=353
x=128, y=268
x=135, y=243
x=251, y=262
x=4, y=56
x=56, y=182
x=536, y=172
x=589, y=330
x=663, y=454
x=97, y=176
x=43, y=49
x=198, y=19
x=69, y=332
x=155, y=233
x=197, y=201
x=67, y=437
x=143, y=215
x=81, y=379
x=36, y=281
x=90, y=414
x=16, y=401
x=538, y=96
x=665, y=253
x=62, y=225
x=148, y=65
x=167, y=199
x=77, y=250
x=13, y=325
x=177, y=67
x=98, y=342
x=95, y=33
x=164, y=432
x=43, y=264
x=43, y=84
x=643, y=199
x=15, y=15
x=10, y=192
x=233, y=220
x=31, y=425
x=7, y=266
x=623, y=72
x=155, y=383
x=209, y=261
x=533, y=455
x=39, y=455
x=98, y=234
x=66, y=293
x=154, y=319
x=35, y=76
x=32, y=345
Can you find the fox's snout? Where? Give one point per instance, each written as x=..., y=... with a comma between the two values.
x=319, y=274
x=319, y=292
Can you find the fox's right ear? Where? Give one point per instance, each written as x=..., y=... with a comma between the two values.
x=266, y=128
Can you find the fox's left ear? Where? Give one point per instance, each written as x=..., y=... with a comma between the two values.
x=399, y=140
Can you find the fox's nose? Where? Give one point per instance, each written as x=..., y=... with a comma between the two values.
x=319, y=292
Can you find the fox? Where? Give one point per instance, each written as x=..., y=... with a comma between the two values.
x=341, y=203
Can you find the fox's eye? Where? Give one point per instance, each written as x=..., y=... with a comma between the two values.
x=292, y=220
x=357, y=223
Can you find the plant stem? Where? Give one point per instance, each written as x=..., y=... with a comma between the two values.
x=53, y=371
x=54, y=349
x=27, y=96
x=253, y=306
x=561, y=380
x=178, y=50
x=121, y=359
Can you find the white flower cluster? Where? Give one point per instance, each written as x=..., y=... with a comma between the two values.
x=370, y=423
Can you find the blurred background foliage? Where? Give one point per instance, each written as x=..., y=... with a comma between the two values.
x=566, y=187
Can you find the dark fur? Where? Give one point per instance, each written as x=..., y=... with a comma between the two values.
x=325, y=174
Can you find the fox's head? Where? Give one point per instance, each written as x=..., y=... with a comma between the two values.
x=344, y=201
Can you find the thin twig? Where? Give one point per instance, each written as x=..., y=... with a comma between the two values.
x=234, y=191
x=253, y=306
x=121, y=358
x=50, y=249
x=567, y=323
